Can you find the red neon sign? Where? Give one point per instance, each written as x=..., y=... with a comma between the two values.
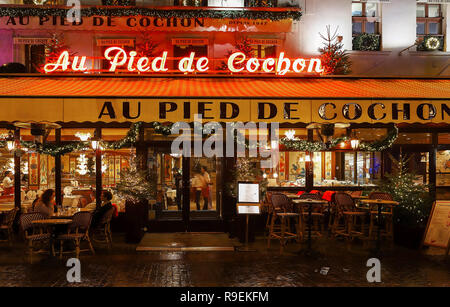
x=237, y=62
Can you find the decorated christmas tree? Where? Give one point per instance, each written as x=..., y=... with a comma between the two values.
x=242, y=46
x=146, y=47
x=247, y=170
x=413, y=197
x=55, y=47
x=136, y=183
x=335, y=60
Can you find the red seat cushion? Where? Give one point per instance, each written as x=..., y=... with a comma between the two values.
x=327, y=195
x=314, y=192
x=116, y=210
x=300, y=193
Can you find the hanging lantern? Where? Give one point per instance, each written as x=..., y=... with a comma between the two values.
x=10, y=143
x=355, y=143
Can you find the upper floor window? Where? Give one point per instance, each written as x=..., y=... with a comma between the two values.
x=429, y=26
x=365, y=18
x=365, y=26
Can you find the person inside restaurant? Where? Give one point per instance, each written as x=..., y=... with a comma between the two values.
x=8, y=183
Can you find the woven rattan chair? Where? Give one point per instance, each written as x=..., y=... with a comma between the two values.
x=7, y=224
x=283, y=214
x=33, y=234
x=317, y=214
x=387, y=212
x=104, y=229
x=77, y=232
x=347, y=215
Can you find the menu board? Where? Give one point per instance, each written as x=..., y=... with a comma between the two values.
x=248, y=192
x=438, y=228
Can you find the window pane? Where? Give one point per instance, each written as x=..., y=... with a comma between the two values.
x=443, y=168
x=444, y=138
x=292, y=168
x=357, y=28
x=370, y=27
x=420, y=10
x=433, y=28
x=356, y=9
x=433, y=10
x=414, y=138
x=371, y=9
x=338, y=169
x=420, y=28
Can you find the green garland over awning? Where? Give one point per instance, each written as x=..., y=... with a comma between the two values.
x=245, y=13
x=304, y=145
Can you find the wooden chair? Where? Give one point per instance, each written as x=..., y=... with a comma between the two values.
x=270, y=210
x=7, y=224
x=347, y=215
x=387, y=212
x=77, y=232
x=283, y=213
x=318, y=213
x=34, y=234
x=104, y=229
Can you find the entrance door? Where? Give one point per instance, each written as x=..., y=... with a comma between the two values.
x=188, y=198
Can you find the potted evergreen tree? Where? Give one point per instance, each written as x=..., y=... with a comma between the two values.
x=137, y=186
x=411, y=215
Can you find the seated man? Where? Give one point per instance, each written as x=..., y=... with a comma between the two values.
x=105, y=207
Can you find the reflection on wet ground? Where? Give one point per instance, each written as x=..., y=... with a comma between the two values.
x=122, y=266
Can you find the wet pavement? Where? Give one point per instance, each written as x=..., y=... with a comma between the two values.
x=123, y=266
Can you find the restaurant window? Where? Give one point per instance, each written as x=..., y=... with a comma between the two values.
x=443, y=161
x=119, y=2
x=429, y=27
x=413, y=138
x=106, y=64
x=191, y=2
x=291, y=168
x=346, y=168
x=226, y=3
x=181, y=51
x=34, y=57
x=365, y=26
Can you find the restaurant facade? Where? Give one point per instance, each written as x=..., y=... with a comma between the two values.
x=124, y=79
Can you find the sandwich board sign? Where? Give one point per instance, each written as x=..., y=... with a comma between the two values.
x=437, y=233
x=248, y=198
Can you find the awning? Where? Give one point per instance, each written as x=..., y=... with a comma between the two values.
x=65, y=99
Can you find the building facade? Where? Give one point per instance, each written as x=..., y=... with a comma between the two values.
x=399, y=55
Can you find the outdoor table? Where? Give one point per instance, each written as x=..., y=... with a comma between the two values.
x=68, y=214
x=52, y=222
x=359, y=197
x=309, y=203
x=292, y=196
x=380, y=203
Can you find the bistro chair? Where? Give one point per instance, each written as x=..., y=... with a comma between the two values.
x=7, y=224
x=317, y=214
x=387, y=212
x=283, y=213
x=104, y=228
x=34, y=234
x=270, y=210
x=77, y=231
x=346, y=218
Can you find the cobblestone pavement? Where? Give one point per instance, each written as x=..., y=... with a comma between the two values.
x=124, y=267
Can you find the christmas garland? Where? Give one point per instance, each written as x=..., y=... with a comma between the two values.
x=61, y=149
x=151, y=12
x=304, y=145
x=366, y=42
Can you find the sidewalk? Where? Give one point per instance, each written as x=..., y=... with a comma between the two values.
x=123, y=266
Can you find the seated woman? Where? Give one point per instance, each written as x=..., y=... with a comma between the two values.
x=45, y=204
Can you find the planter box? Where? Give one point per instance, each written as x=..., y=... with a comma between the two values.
x=136, y=218
x=408, y=236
